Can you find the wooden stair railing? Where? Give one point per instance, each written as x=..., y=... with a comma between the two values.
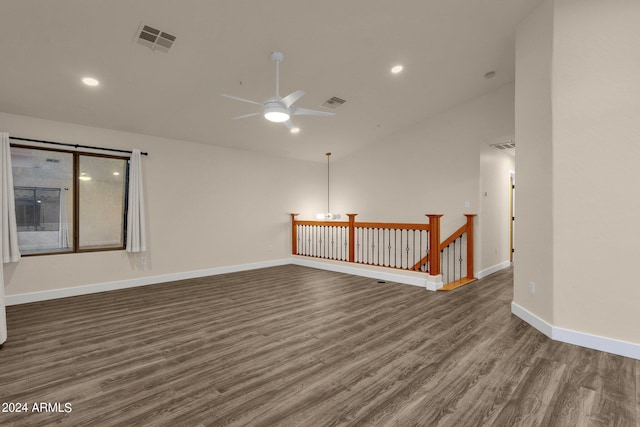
x=346, y=248
x=468, y=229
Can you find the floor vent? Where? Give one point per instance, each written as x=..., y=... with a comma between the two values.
x=155, y=39
x=333, y=102
x=504, y=145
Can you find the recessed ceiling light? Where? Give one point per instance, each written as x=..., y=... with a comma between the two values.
x=294, y=130
x=116, y=173
x=397, y=69
x=90, y=81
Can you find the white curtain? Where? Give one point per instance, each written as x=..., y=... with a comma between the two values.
x=8, y=231
x=63, y=234
x=136, y=237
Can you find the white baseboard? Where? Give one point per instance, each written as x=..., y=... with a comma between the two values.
x=609, y=345
x=380, y=273
x=374, y=272
x=595, y=342
x=487, y=271
x=535, y=321
x=131, y=283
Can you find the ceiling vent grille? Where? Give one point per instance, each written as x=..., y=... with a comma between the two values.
x=333, y=102
x=505, y=145
x=155, y=39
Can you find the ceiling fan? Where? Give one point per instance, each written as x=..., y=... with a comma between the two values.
x=278, y=109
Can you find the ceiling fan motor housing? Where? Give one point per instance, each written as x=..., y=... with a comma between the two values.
x=275, y=110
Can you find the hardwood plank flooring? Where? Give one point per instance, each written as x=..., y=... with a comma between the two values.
x=294, y=346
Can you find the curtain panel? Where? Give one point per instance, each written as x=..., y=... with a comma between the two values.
x=9, y=251
x=136, y=235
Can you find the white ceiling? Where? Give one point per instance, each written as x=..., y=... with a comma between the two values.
x=341, y=48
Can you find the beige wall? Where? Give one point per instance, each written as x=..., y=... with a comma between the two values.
x=577, y=127
x=596, y=153
x=207, y=206
x=533, y=257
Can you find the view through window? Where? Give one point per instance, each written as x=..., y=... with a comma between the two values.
x=69, y=201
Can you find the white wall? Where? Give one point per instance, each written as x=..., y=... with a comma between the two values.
x=577, y=129
x=207, y=206
x=432, y=167
x=596, y=152
x=533, y=257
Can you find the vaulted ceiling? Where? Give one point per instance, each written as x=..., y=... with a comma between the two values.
x=331, y=48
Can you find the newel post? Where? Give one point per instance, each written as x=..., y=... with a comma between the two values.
x=352, y=237
x=434, y=244
x=470, y=245
x=294, y=234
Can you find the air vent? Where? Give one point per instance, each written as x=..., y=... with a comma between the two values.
x=504, y=145
x=333, y=102
x=155, y=39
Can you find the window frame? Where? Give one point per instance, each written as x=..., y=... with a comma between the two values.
x=75, y=191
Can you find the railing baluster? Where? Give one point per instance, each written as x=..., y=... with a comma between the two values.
x=413, y=232
x=448, y=264
x=373, y=246
x=454, y=260
x=460, y=258
x=366, y=248
x=389, y=249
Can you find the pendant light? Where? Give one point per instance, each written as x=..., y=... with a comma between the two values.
x=328, y=215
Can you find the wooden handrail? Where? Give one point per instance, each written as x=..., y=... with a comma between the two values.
x=459, y=232
x=395, y=225
x=323, y=223
x=418, y=265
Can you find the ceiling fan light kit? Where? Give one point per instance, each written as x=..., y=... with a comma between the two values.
x=275, y=112
x=278, y=109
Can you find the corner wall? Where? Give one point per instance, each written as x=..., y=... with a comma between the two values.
x=596, y=150
x=533, y=258
x=577, y=127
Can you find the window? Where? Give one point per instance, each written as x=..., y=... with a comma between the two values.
x=37, y=209
x=69, y=201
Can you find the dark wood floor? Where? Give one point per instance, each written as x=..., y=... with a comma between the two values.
x=295, y=346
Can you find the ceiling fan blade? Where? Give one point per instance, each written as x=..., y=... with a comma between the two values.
x=307, y=112
x=289, y=125
x=246, y=115
x=237, y=98
x=292, y=97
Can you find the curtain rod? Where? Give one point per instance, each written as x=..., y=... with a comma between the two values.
x=73, y=145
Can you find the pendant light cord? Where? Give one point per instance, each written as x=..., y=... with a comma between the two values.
x=328, y=183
